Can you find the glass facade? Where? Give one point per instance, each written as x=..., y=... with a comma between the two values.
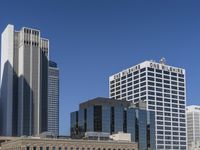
x=74, y=124
x=131, y=123
x=108, y=116
x=105, y=119
x=118, y=123
x=141, y=116
x=90, y=119
x=81, y=122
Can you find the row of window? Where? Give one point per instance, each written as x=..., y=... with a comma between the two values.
x=171, y=128
x=170, y=119
x=170, y=147
x=66, y=148
x=151, y=70
x=165, y=81
x=151, y=92
x=29, y=31
x=165, y=72
x=150, y=77
x=170, y=114
x=171, y=123
x=171, y=133
x=152, y=98
x=166, y=104
x=166, y=109
x=165, y=90
x=29, y=43
x=171, y=142
x=151, y=85
x=165, y=95
x=159, y=137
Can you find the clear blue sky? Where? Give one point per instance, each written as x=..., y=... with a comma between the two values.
x=93, y=39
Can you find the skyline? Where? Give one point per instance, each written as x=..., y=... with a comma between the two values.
x=115, y=35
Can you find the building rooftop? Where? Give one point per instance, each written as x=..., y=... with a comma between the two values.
x=148, y=63
x=193, y=108
x=62, y=140
x=52, y=64
x=104, y=101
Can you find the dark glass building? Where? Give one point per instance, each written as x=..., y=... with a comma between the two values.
x=112, y=116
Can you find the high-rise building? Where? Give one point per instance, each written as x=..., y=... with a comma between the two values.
x=24, y=82
x=163, y=88
x=193, y=125
x=53, y=99
x=104, y=115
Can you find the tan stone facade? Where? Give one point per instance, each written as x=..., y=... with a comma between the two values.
x=66, y=144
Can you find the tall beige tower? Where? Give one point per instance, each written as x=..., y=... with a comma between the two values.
x=24, y=82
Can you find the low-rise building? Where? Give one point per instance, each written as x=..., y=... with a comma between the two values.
x=121, y=137
x=6, y=139
x=66, y=144
x=111, y=116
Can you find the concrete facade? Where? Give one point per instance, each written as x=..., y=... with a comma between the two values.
x=53, y=98
x=24, y=82
x=163, y=88
x=66, y=144
x=193, y=126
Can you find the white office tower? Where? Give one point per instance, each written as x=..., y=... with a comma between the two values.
x=193, y=126
x=24, y=82
x=163, y=87
x=53, y=99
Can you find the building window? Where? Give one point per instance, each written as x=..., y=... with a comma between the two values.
x=151, y=69
x=143, y=74
x=97, y=118
x=150, y=74
x=143, y=69
x=34, y=148
x=166, y=72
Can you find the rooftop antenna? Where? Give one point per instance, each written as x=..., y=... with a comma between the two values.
x=163, y=61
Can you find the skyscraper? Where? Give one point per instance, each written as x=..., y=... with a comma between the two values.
x=53, y=99
x=193, y=125
x=24, y=82
x=163, y=87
